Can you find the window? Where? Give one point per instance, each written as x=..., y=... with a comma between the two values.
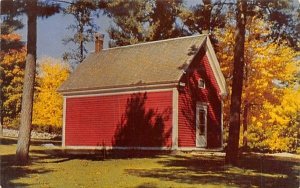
x=202, y=121
x=201, y=83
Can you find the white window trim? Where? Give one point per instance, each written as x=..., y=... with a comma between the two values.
x=201, y=80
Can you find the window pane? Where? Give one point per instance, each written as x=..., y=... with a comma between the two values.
x=201, y=83
x=201, y=122
x=202, y=116
x=202, y=129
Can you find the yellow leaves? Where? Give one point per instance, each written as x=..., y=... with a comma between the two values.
x=270, y=70
x=12, y=64
x=10, y=37
x=281, y=122
x=47, y=109
x=47, y=103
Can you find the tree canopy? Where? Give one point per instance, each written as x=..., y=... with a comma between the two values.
x=84, y=27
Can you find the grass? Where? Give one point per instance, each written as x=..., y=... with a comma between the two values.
x=53, y=168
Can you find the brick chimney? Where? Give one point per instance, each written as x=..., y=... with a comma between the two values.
x=99, y=38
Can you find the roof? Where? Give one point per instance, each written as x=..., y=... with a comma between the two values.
x=151, y=63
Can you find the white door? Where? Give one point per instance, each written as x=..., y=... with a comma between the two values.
x=201, y=125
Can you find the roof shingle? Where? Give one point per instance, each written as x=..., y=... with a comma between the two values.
x=134, y=65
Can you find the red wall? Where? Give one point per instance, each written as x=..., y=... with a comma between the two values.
x=141, y=119
x=188, y=97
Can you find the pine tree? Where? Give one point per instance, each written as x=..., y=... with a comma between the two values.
x=33, y=9
x=83, y=11
x=140, y=21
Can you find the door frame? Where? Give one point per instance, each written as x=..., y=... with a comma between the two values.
x=201, y=106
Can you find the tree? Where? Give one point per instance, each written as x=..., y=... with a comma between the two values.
x=140, y=21
x=84, y=27
x=254, y=8
x=27, y=96
x=129, y=18
x=237, y=84
x=8, y=41
x=32, y=9
x=284, y=18
x=47, y=108
x=270, y=69
x=163, y=23
x=12, y=64
x=281, y=132
x=205, y=17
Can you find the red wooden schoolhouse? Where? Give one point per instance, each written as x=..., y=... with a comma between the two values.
x=162, y=95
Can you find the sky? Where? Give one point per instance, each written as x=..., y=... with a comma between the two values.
x=51, y=32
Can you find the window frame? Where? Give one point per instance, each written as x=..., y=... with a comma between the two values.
x=201, y=83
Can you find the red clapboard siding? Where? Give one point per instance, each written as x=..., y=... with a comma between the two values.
x=97, y=120
x=188, y=97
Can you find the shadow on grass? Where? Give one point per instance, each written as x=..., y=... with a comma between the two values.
x=195, y=170
x=253, y=171
x=94, y=155
x=33, y=142
x=10, y=171
x=7, y=141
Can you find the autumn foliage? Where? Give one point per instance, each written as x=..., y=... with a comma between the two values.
x=12, y=64
x=48, y=103
x=47, y=113
x=270, y=118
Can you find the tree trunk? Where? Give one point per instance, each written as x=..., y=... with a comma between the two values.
x=28, y=88
x=237, y=85
x=1, y=124
x=1, y=103
x=207, y=15
x=245, y=125
x=1, y=106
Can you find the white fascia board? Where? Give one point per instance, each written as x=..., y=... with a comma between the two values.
x=120, y=90
x=116, y=93
x=216, y=67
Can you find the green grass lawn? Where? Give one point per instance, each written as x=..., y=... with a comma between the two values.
x=53, y=168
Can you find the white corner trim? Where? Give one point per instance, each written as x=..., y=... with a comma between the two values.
x=213, y=61
x=222, y=122
x=175, y=119
x=64, y=122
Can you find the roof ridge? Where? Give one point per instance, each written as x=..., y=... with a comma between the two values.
x=157, y=41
